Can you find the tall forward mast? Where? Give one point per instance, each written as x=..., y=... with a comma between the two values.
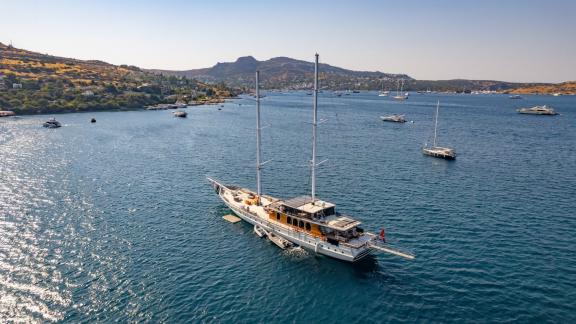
x=258, y=139
x=314, y=126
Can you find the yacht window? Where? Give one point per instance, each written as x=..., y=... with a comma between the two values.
x=308, y=227
x=301, y=224
x=289, y=221
x=295, y=222
x=278, y=216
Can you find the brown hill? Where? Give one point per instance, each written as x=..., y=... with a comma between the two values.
x=565, y=88
x=31, y=82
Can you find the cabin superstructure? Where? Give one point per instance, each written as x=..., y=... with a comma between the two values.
x=317, y=217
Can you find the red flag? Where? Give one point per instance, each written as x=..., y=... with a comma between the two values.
x=382, y=235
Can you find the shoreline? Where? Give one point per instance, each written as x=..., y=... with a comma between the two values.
x=123, y=109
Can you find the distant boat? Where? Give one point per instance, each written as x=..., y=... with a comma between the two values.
x=180, y=113
x=399, y=89
x=515, y=97
x=538, y=110
x=393, y=118
x=438, y=151
x=355, y=91
x=52, y=123
x=93, y=120
x=556, y=94
x=382, y=92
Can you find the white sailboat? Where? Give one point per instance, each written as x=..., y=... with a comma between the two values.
x=435, y=150
x=303, y=221
x=399, y=89
x=382, y=92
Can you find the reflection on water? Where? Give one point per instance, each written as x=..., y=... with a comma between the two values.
x=115, y=221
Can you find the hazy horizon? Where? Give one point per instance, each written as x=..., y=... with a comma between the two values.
x=516, y=41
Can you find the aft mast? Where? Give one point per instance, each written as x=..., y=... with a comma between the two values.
x=258, y=139
x=436, y=122
x=314, y=126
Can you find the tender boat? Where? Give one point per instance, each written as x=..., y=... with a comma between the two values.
x=393, y=118
x=260, y=231
x=305, y=221
x=538, y=110
x=180, y=113
x=52, y=123
x=93, y=120
x=279, y=241
x=435, y=150
x=515, y=97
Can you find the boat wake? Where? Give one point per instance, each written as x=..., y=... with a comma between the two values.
x=296, y=252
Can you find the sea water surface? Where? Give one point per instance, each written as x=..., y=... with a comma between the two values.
x=115, y=221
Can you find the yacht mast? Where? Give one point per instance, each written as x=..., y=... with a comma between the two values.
x=258, y=139
x=436, y=122
x=314, y=125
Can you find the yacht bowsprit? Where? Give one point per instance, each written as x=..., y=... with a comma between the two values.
x=304, y=221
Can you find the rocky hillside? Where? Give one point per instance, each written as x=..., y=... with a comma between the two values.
x=566, y=88
x=287, y=73
x=31, y=82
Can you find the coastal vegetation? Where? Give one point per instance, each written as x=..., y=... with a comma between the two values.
x=39, y=83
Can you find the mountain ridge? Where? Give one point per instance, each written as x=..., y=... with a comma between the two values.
x=286, y=73
x=292, y=74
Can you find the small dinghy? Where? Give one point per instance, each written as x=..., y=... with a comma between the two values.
x=260, y=231
x=279, y=241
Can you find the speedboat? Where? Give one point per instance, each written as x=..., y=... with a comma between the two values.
x=52, y=123
x=393, y=118
x=180, y=113
x=538, y=110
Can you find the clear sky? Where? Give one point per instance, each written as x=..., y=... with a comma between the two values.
x=510, y=40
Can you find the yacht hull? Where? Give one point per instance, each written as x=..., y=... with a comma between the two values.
x=306, y=241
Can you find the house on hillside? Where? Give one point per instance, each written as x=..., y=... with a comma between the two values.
x=16, y=85
x=2, y=85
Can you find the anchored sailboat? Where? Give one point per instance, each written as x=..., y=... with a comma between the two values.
x=438, y=151
x=304, y=221
x=399, y=89
x=383, y=93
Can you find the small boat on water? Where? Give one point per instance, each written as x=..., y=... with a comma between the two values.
x=435, y=150
x=7, y=113
x=279, y=241
x=93, y=120
x=395, y=118
x=515, y=97
x=180, y=113
x=538, y=110
x=356, y=91
x=260, y=231
x=52, y=123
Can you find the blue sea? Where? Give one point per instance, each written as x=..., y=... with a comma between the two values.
x=115, y=221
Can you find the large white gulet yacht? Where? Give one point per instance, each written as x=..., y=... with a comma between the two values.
x=304, y=221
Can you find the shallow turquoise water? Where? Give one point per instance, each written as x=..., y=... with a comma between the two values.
x=115, y=220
